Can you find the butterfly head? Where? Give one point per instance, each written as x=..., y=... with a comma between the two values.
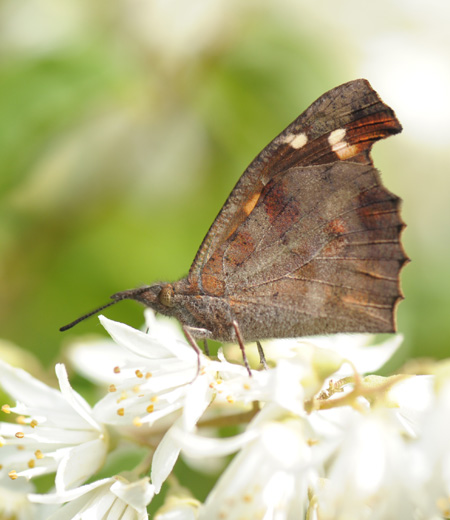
x=160, y=296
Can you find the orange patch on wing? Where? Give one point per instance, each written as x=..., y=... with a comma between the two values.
x=212, y=285
x=243, y=212
x=251, y=203
x=337, y=226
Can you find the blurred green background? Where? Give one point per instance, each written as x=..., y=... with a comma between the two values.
x=124, y=125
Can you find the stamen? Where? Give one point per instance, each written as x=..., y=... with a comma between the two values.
x=121, y=412
x=137, y=422
x=33, y=423
x=112, y=388
x=117, y=370
x=122, y=397
x=31, y=463
x=150, y=408
x=20, y=435
x=13, y=474
x=139, y=373
x=38, y=454
x=6, y=408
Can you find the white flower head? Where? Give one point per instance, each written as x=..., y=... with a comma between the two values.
x=55, y=431
x=370, y=475
x=269, y=476
x=160, y=385
x=162, y=377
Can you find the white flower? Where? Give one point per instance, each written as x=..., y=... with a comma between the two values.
x=370, y=475
x=54, y=430
x=115, y=498
x=14, y=501
x=431, y=463
x=97, y=359
x=162, y=378
x=160, y=387
x=269, y=477
x=356, y=348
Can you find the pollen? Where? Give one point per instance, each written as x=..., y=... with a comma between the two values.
x=20, y=435
x=20, y=419
x=33, y=423
x=112, y=388
x=148, y=375
x=20, y=447
x=137, y=422
x=150, y=408
x=247, y=386
x=139, y=373
x=154, y=399
x=219, y=381
x=12, y=474
x=117, y=370
x=121, y=412
x=6, y=408
x=38, y=454
x=230, y=399
x=31, y=463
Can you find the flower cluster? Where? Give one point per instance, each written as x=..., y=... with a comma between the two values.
x=314, y=435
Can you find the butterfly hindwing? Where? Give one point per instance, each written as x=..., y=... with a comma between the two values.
x=319, y=253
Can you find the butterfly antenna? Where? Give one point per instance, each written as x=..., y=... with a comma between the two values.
x=88, y=315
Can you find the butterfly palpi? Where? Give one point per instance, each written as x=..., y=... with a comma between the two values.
x=308, y=242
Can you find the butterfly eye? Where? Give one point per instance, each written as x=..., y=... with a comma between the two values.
x=166, y=296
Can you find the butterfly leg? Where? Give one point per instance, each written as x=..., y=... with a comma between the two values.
x=241, y=346
x=194, y=345
x=262, y=357
x=206, y=347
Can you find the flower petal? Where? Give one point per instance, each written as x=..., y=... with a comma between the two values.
x=79, y=464
x=143, y=344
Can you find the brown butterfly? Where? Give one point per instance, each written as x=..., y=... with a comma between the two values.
x=308, y=242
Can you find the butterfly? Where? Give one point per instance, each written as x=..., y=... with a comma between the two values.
x=308, y=242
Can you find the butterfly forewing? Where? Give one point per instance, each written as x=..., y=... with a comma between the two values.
x=359, y=118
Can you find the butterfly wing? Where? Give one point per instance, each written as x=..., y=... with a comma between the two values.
x=341, y=125
x=319, y=253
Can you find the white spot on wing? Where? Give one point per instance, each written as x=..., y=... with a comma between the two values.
x=336, y=137
x=340, y=147
x=295, y=140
